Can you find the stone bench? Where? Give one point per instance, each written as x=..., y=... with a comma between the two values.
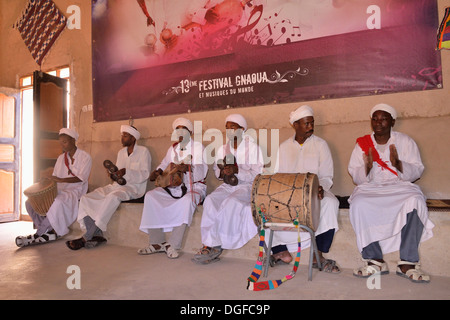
x=123, y=229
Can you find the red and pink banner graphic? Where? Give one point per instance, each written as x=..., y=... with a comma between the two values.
x=160, y=57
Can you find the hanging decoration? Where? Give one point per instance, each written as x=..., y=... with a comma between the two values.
x=40, y=24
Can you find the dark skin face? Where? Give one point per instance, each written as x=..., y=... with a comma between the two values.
x=304, y=128
x=184, y=135
x=67, y=144
x=128, y=141
x=382, y=123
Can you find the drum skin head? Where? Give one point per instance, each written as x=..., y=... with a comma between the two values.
x=286, y=198
x=315, y=202
x=41, y=195
x=39, y=186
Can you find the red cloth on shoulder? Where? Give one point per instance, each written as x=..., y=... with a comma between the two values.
x=365, y=143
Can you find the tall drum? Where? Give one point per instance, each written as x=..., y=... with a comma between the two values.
x=41, y=196
x=282, y=200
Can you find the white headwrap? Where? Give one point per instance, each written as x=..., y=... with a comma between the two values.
x=384, y=107
x=301, y=112
x=70, y=132
x=237, y=118
x=130, y=130
x=183, y=122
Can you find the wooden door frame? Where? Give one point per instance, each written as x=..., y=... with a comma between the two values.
x=15, y=166
x=38, y=78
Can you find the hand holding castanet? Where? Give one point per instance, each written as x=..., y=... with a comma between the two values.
x=114, y=172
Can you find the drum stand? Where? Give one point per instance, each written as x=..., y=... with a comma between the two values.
x=313, y=250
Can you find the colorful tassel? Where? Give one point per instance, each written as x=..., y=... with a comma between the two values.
x=253, y=285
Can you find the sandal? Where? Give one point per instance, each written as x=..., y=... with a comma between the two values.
x=22, y=241
x=414, y=274
x=369, y=269
x=151, y=249
x=75, y=244
x=207, y=254
x=171, y=252
x=329, y=266
x=94, y=242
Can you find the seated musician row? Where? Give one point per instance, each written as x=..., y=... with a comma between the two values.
x=387, y=210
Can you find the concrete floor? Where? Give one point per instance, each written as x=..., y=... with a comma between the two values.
x=116, y=272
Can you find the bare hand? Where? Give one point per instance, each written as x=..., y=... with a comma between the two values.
x=321, y=192
x=155, y=174
x=368, y=161
x=51, y=178
x=395, y=161
x=120, y=173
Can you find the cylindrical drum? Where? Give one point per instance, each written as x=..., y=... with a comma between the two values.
x=41, y=195
x=286, y=199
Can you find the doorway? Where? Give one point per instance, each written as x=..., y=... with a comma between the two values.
x=9, y=154
x=39, y=150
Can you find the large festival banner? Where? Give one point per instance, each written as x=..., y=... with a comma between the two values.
x=161, y=57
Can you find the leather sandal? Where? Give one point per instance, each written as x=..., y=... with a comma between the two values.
x=414, y=274
x=94, y=242
x=207, y=255
x=75, y=244
x=171, y=252
x=152, y=249
x=371, y=267
x=22, y=241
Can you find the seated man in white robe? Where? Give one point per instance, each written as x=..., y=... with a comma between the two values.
x=305, y=152
x=97, y=207
x=71, y=174
x=227, y=221
x=387, y=210
x=180, y=181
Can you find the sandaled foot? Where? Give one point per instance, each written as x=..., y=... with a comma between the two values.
x=283, y=257
x=412, y=271
x=23, y=241
x=207, y=254
x=328, y=265
x=75, y=244
x=171, y=252
x=32, y=239
x=95, y=242
x=152, y=248
x=371, y=267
